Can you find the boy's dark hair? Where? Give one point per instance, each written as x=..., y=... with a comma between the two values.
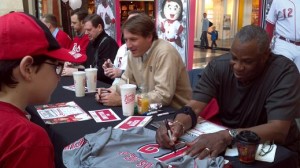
x=7, y=67
x=81, y=14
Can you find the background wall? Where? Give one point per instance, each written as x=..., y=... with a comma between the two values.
x=9, y=5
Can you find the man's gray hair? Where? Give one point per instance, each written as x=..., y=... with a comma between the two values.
x=252, y=32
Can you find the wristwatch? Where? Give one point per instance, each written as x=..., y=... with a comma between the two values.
x=233, y=133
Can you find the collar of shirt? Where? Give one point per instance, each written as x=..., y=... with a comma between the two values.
x=146, y=54
x=54, y=33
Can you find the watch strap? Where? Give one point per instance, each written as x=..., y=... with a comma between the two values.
x=188, y=111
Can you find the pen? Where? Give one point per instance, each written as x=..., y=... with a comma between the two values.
x=151, y=113
x=169, y=134
x=166, y=113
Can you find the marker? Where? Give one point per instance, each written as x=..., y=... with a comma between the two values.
x=169, y=134
x=151, y=113
x=165, y=113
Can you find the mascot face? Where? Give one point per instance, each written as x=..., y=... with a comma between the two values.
x=172, y=10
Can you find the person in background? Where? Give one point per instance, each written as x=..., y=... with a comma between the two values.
x=214, y=37
x=256, y=90
x=150, y=65
x=63, y=38
x=283, y=24
x=114, y=71
x=80, y=41
x=205, y=26
x=101, y=46
x=28, y=54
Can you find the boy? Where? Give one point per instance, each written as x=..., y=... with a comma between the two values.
x=214, y=37
x=28, y=54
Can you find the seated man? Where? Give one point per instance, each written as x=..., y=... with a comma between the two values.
x=101, y=46
x=152, y=63
x=63, y=38
x=255, y=89
x=114, y=71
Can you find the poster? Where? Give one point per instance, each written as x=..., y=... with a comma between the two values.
x=226, y=22
x=172, y=24
x=107, y=10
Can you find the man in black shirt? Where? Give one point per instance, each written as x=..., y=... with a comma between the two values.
x=101, y=46
x=255, y=89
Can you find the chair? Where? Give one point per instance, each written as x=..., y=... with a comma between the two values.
x=194, y=76
x=212, y=108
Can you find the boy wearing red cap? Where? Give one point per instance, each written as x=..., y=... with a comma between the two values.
x=28, y=53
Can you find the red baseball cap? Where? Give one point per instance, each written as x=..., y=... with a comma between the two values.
x=22, y=34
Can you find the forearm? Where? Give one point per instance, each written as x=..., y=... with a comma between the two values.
x=197, y=107
x=273, y=130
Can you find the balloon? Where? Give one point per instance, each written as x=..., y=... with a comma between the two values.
x=74, y=4
x=65, y=1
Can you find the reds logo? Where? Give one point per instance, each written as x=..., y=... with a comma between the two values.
x=129, y=98
x=77, y=144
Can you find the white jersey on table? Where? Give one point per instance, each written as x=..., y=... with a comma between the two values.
x=287, y=19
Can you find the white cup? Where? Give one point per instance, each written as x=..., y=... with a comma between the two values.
x=79, y=82
x=128, y=97
x=91, y=79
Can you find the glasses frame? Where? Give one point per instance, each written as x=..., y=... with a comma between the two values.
x=58, y=67
x=264, y=152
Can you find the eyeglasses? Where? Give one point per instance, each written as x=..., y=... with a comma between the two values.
x=266, y=148
x=58, y=67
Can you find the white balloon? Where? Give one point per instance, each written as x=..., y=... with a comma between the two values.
x=74, y=4
x=65, y=1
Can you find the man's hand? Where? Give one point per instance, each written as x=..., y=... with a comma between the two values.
x=113, y=72
x=162, y=137
x=108, y=97
x=68, y=71
x=208, y=144
x=107, y=64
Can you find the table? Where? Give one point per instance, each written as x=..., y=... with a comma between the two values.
x=63, y=134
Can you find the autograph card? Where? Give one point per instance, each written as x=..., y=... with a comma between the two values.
x=104, y=115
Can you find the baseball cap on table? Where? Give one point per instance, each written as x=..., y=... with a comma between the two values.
x=22, y=34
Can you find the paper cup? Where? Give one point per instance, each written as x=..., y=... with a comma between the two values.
x=91, y=79
x=128, y=97
x=79, y=82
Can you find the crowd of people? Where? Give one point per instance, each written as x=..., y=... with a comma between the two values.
x=256, y=89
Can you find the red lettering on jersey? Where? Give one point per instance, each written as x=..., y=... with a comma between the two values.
x=172, y=154
x=131, y=157
x=77, y=144
x=149, y=149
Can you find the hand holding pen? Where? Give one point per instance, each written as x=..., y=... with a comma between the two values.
x=169, y=134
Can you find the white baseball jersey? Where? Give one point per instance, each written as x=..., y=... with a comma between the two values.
x=135, y=147
x=286, y=19
x=121, y=60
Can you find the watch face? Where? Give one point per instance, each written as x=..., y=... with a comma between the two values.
x=233, y=133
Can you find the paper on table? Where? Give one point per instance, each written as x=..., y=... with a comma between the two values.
x=269, y=157
x=232, y=151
